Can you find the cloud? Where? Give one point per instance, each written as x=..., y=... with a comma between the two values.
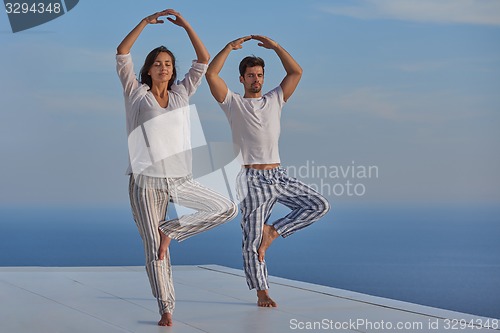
x=418, y=107
x=423, y=66
x=482, y=12
x=72, y=102
x=373, y=101
x=298, y=126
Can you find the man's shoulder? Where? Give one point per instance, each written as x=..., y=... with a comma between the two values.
x=234, y=94
x=274, y=92
x=231, y=97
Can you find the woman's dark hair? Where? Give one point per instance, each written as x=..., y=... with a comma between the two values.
x=250, y=61
x=150, y=59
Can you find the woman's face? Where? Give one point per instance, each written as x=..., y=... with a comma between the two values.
x=162, y=69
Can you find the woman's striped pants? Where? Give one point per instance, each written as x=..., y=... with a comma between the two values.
x=149, y=198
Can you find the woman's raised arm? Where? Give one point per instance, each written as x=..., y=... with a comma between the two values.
x=127, y=43
x=202, y=54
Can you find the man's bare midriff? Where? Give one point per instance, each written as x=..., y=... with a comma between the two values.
x=262, y=166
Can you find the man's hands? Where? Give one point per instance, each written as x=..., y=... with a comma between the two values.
x=292, y=68
x=219, y=88
x=265, y=42
x=236, y=44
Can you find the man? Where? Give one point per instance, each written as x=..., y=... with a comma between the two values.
x=255, y=126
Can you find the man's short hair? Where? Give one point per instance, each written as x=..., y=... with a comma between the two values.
x=250, y=61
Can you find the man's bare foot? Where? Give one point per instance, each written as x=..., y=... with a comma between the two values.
x=164, y=243
x=264, y=300
x=269, y=234
x=166, y=320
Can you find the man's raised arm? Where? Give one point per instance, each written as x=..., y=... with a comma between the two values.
x=218, y=87
x=292, y=68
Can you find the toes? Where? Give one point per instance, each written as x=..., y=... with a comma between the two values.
x=267, y=304
x=165, y=321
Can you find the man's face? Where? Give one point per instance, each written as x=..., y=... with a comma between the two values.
x=253, y=79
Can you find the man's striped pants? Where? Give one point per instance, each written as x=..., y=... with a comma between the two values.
x=258, y=191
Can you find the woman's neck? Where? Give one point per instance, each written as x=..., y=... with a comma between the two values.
x=160, y=89
x=160, y=92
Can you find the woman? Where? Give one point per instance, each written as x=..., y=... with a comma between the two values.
x=157, y=115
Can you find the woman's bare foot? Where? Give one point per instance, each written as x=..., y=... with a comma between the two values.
x=166, y=320
x=264, y=300
x=269, y=234
x=164, y=243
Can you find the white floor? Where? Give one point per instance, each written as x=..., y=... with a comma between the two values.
x=209, y=299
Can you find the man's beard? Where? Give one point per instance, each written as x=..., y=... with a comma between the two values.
x=255, y=89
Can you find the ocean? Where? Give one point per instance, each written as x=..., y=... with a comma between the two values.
x=445, y=256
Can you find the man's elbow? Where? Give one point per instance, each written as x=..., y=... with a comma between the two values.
x=210, y=74
x=295, y=72
x=298, y=71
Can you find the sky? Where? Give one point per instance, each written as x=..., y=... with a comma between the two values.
x=409, y=89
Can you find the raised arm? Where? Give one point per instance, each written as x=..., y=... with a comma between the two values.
x=201, y=51
x=127, y=43
x=292, y=68
x=218, y=87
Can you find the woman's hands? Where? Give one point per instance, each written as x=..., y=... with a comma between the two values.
x=179, y=20
x=153, y=18
x=201, y=52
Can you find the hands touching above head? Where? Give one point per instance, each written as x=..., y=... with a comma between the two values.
x=179, y=19
x=201, y=52
x=293, y=71
x=219, y=88
x=265, y=42
x=154, y=18
x=237, y=43
x=127, y=43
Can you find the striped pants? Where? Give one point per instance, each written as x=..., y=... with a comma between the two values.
x=149, y=198
x=258, y=191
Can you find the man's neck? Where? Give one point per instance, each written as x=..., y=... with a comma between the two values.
x=252, y=95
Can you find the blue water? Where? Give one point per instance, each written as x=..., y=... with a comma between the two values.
x=446, y=256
